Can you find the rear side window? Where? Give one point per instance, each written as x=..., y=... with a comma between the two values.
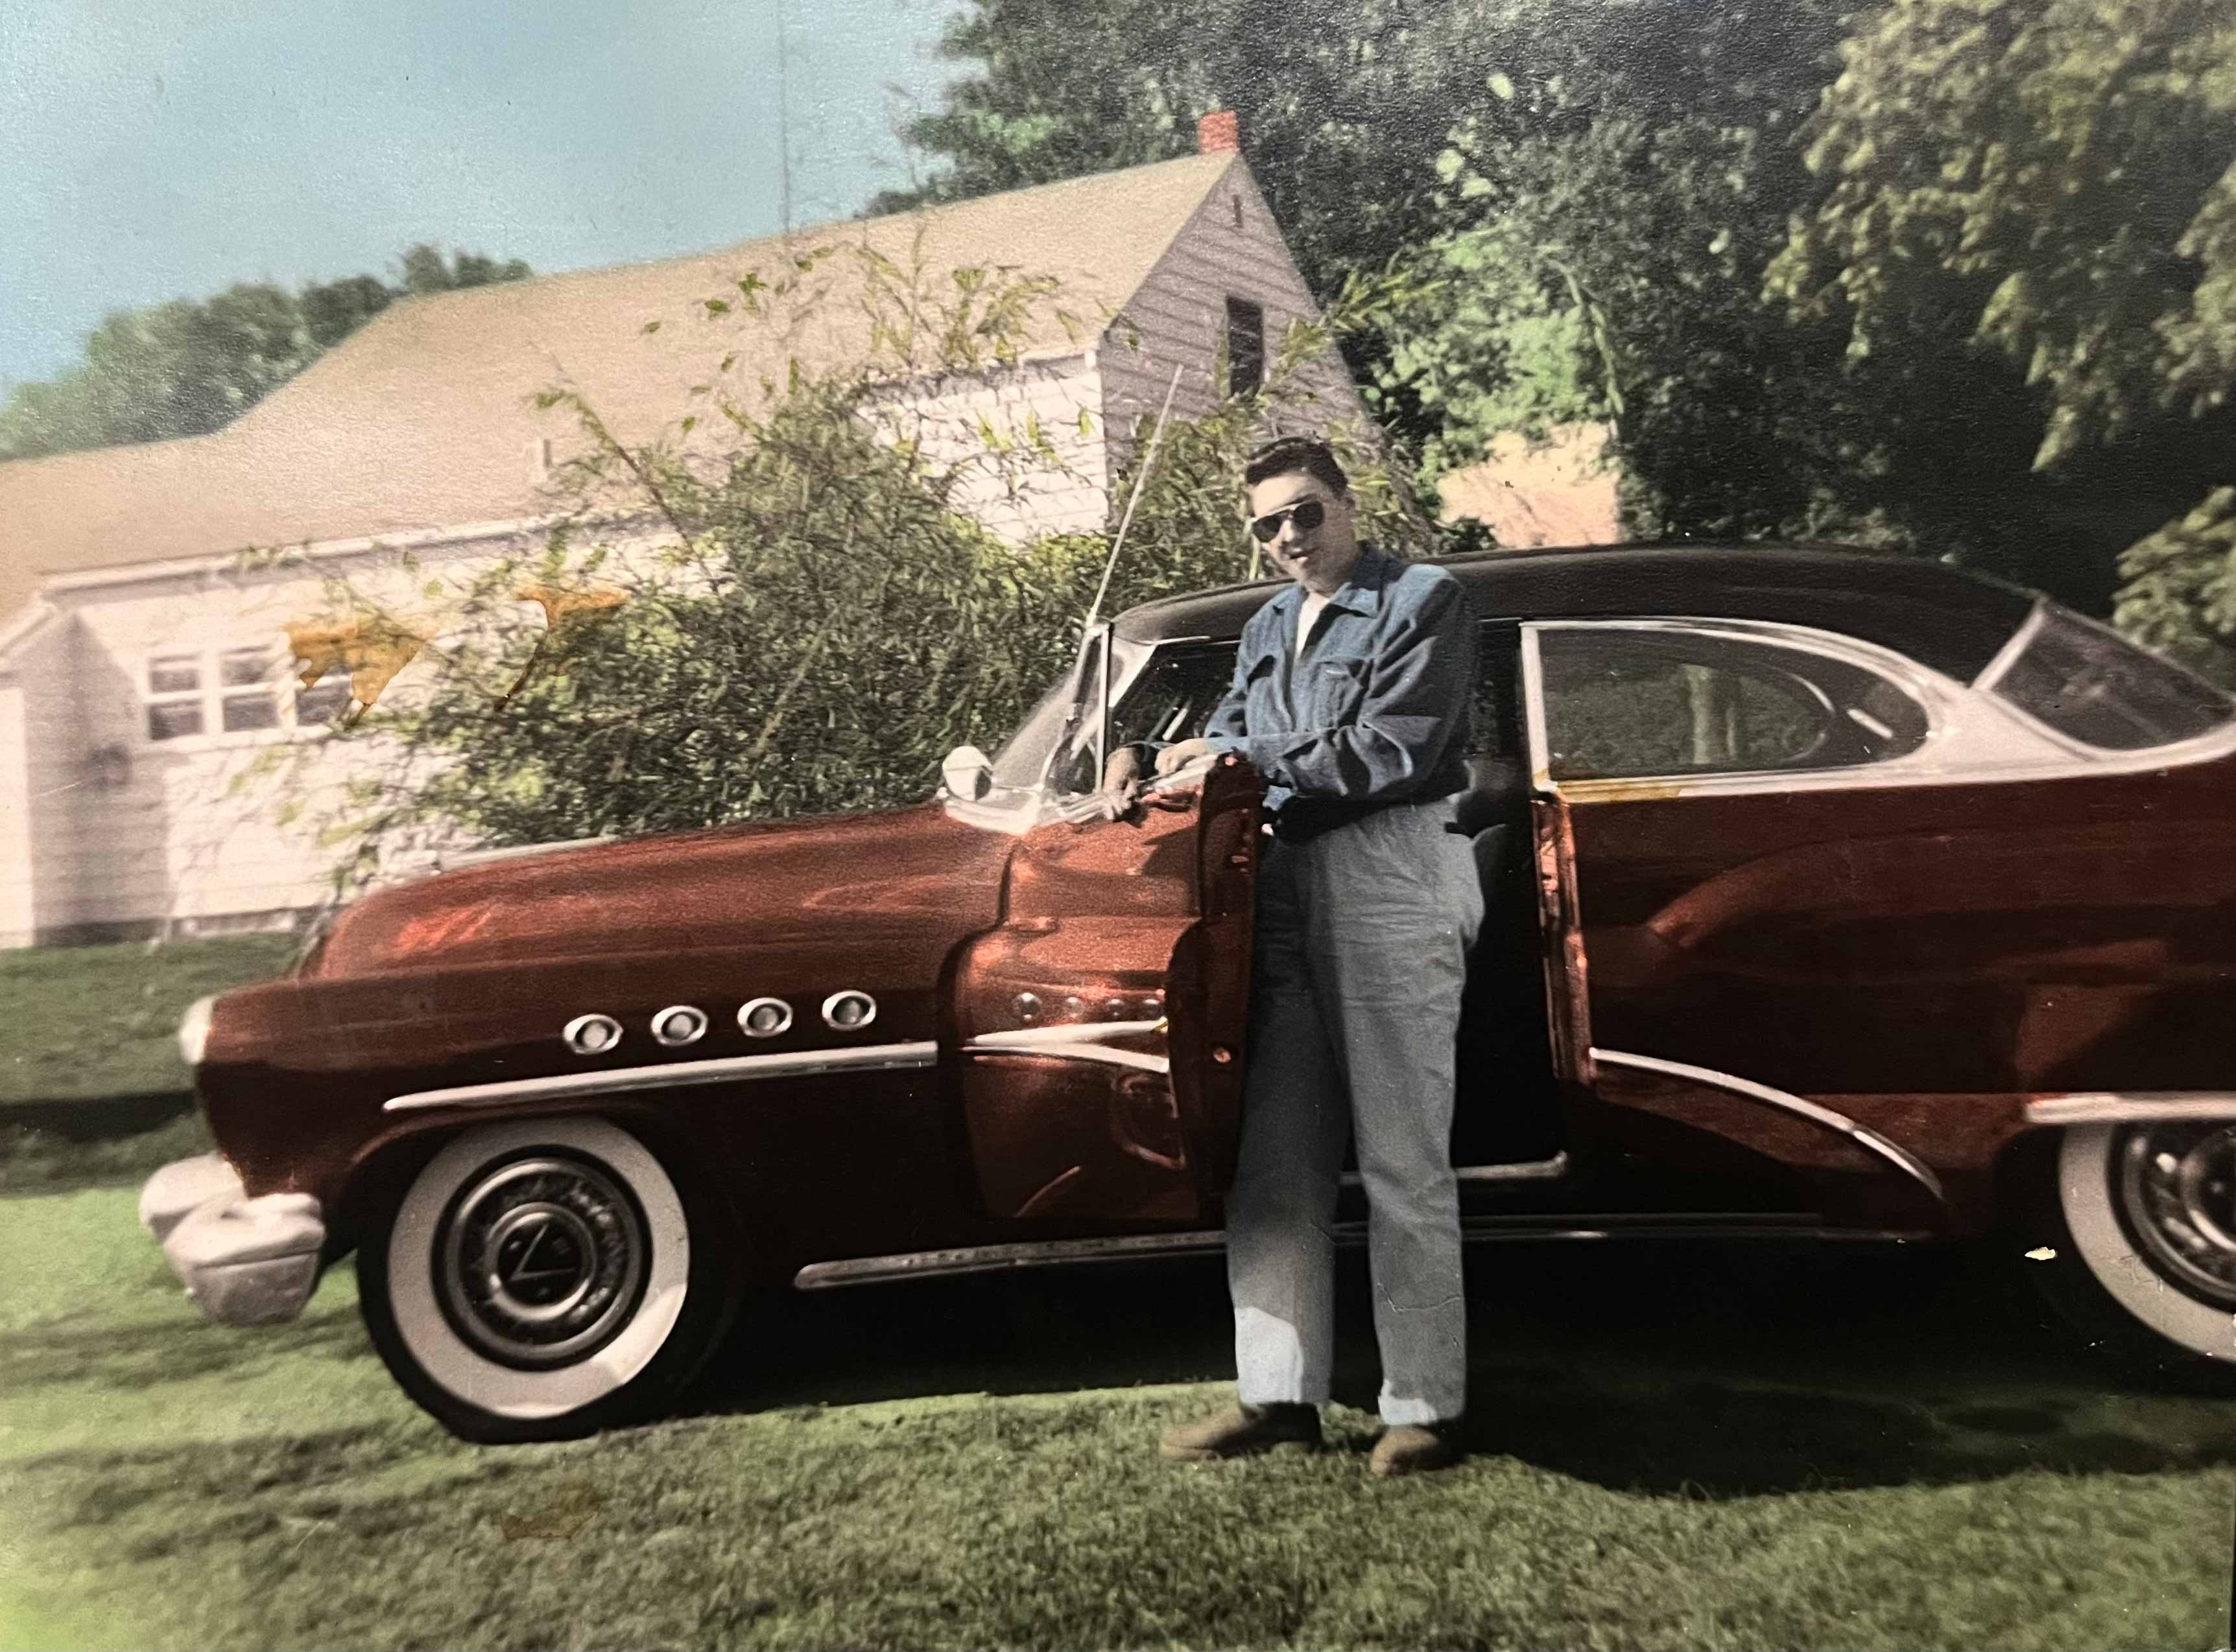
x=1623, y=703
x=2092, y=684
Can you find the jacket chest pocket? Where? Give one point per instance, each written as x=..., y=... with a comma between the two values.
x=1330, y=692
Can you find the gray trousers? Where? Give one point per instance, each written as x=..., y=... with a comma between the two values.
x=1359, y=965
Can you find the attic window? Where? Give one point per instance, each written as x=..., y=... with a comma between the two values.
x=1246, y=347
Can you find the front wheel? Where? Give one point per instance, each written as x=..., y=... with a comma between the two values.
x=543, y=1279
x=2144, y=1244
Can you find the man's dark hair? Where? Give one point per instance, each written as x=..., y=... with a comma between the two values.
x=1287, y=453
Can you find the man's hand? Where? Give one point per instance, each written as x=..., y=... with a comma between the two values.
x=1121, y=778
x=1177, y=756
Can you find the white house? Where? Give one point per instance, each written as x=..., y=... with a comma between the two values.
x=147, y=665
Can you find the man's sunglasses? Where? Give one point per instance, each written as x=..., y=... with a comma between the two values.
x=1307, y=514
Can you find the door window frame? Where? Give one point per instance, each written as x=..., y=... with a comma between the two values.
x=1934, y=695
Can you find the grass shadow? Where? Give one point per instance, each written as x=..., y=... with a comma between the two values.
x=131, y=1357
x=1680, y=1371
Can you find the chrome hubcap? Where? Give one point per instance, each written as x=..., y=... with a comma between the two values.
x=542, y=1261
x=2176, y=1185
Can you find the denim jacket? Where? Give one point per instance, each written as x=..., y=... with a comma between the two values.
x=1375, y=709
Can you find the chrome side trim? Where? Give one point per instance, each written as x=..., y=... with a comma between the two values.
x=869, y=1058
x=1536, y=1170
x=2138, y=1106
x=1139, y=1060
x=1081, y=1041
x=1865, y=1137
x=1076, y=1033
x=1147, y=1246
x=994, y=1259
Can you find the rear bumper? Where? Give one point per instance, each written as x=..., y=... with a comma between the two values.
x=244, y=1261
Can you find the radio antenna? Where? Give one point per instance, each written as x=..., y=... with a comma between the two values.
x=1095, y=608
x=1140, y=477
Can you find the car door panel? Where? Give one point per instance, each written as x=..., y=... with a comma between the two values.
x=1100, y=1025
x=1918, y=960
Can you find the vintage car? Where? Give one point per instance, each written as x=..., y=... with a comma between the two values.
x=1832, y=896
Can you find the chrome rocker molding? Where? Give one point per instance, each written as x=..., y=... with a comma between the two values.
x=1536, y=1170
x=1144, y=1247
x=2136, y=1107
x=1080, y=1042
x=869, y=1058
x=1863, y=1137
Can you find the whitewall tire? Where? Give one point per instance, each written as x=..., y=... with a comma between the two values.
x=543, y=1278
x=2146, y=1261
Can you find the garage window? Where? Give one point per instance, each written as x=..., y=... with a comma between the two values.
x=235, y=690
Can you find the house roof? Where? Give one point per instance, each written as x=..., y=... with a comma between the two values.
x=423, y=419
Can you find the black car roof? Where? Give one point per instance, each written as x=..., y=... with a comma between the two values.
x=1943, y=617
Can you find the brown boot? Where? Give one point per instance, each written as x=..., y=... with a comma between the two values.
x=1243, y=1432
x=1413, y=1448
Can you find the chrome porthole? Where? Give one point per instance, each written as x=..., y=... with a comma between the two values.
x=764, y=1018
x=1028, y=1006
x=542, y=1261
x=678, y=1023
x=2175, y=1187
x=849, y=1010
x=592, y=1035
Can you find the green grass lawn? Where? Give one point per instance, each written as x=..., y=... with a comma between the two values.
x=92, y=1087
x=102, y=1022
x=1673, y=1449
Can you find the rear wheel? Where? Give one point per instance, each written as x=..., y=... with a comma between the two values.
x=2145, y=1238
x=543, y=1279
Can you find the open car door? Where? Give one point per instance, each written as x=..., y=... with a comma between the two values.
x=1749, y=971
x=1098, y=1028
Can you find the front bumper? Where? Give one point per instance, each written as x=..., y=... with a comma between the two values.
x=244, y=1261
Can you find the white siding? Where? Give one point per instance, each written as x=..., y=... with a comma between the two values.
x=1231, y=248
x=1021, y=496
x=43, y=676
x=195, y=837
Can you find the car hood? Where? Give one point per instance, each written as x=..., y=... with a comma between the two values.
x=897, y=875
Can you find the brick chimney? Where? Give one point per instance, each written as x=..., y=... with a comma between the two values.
x=1218, y=133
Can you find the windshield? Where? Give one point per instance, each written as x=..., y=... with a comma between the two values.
x=1032, y=753
x=2091, y=684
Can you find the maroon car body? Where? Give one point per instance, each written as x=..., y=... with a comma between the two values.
x=1833, y=896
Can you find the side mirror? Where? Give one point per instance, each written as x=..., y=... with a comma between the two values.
x=967, y=773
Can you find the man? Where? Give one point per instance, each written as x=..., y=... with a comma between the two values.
x=1351, y=697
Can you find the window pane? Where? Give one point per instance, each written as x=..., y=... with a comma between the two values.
x=177, y=676
x=325, y=700
x=170, y=720
x=244, y=667
x=251, y=712
x=1176, y=691
x=1622, y=705
x=1246, y=347
x=2090, y=684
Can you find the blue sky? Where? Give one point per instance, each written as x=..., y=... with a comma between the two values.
x=152, y=149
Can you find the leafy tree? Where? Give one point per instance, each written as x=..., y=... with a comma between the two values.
x=190, y=365
x=2049, y=183
x=1589, y=200
x=1344, y=105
